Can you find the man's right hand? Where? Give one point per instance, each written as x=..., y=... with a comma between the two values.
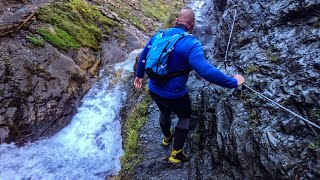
x=138, y=83
x=240, y=79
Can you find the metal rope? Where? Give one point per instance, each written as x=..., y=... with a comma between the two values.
x=259, y=94
x=284, y=108
x=225, y=57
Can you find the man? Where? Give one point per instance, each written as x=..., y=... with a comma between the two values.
x=173, y=95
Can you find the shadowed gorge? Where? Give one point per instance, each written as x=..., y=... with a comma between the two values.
x=68, y=108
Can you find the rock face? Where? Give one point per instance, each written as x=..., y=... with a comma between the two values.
x=42, y=86
x=40, y=89
x=236, y=134
x=275, y=44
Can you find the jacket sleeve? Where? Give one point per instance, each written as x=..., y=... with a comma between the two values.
x=143, y=59
x=200, y=64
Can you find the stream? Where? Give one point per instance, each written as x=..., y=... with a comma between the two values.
x=90, y=147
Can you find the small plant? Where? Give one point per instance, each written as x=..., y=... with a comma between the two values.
x=315, y=145
x=252, y=69
x=137, y=118
x=272, y=57
x=123, y=36
x=253, y=115
x=314, y=113
x=35, y=40
x=254, y=121
x=253, y=127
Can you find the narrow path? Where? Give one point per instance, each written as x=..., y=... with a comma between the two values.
x=155, y=164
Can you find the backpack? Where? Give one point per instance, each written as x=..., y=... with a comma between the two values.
x=157, y=58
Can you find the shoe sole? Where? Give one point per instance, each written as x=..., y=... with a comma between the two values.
x=165, y=144
x=174, y=161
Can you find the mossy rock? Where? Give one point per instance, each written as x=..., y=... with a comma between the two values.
x=75, y=20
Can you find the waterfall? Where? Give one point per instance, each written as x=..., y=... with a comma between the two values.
x=90, y=147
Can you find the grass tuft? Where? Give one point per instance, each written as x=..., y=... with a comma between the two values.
x=136, y=119
x=252, y=69
x=59, y=38
x=35, y=40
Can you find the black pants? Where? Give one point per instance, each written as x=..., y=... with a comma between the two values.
x=180, y=106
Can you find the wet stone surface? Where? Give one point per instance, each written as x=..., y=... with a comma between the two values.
x=236, y=134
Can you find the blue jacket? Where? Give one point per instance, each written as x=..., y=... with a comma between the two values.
x=188, y=53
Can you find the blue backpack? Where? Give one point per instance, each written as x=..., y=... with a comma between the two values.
x=157, y=58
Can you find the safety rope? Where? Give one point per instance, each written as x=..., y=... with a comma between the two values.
x=284, y=108
x=225, y=57
x=259, y=94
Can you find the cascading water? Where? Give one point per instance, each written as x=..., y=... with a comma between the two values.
x=89, y=148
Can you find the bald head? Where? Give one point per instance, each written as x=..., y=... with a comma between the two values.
x=187, y=18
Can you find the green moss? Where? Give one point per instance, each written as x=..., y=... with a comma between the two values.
x=123, y=36
x=252, y=69
x=59, y=38
x=35, y=40
x=158, y=10
x=315, y=145
x=272, y=56
x=125, y=13
x=254, y=121
x=314, y=113
x=79, y=19
x=171, y=20
x=137, y=118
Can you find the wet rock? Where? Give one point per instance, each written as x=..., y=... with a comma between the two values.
x=237, y=134
x=38, y=78
x=111, y=53
x=88, y=61
x=4, y=133
x=278, y=57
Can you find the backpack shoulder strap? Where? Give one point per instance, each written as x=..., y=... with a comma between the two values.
x=159, y=33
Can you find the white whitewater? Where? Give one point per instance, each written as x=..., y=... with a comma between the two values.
x=89, y=148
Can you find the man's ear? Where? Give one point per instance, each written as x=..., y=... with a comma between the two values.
x=177, y=20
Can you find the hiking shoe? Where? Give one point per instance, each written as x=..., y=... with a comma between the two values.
x=166, y=141
x=178, y=156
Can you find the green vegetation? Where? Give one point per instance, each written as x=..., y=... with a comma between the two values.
x=314, y=113
x=35, y=40
x=87, y=25
x=74, y=20
x=253, y=116
x=136, y=119
x=252, y=69
x=171, y=20
x=272, y=57
x=254, y=121
x=59, y=38
x=158, y=10
x=315, y=145
x=125, y=13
